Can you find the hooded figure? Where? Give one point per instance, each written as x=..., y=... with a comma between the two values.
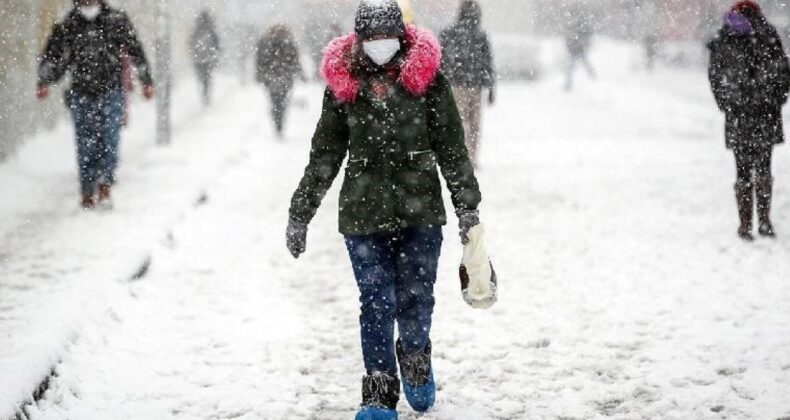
x=278, y=66
x=91, y=44
x=468, y=64
x=750, y=78
x=205, y=52
x=391, y=111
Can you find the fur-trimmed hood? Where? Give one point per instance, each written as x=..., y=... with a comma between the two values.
x=418, y=71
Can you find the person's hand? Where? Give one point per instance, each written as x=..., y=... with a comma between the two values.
x=149, y=92
x=296, y=238
x=42, y=92
x=467, y=219
x=491, y=96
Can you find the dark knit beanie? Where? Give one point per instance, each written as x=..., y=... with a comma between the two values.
x=379, y=17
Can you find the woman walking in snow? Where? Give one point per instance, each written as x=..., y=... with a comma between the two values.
x=750, y=77
x=392, y=112
x=277, y=62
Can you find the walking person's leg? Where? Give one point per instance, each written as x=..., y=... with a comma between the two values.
x=570, y=69
x=418, y=253
x=374, y=262
x=110, y=120
x=279, y=108
x=274, y=98
x=764, y=190
x=744, y=189
x=462, y=99
x=588, y=65
x=84, y=114
x=475, y=114
x=206, y=81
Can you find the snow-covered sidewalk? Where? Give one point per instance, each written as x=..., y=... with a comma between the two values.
x=59, y=265
x=610, y=212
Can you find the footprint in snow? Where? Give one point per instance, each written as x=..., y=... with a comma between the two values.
x=731, y=371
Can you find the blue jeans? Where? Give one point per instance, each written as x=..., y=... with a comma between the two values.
x=395, y=273
x=97, y=122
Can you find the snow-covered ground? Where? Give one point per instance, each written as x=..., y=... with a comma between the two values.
x=625, y=291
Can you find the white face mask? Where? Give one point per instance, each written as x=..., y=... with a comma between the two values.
x=381, y=51
x=90, y=12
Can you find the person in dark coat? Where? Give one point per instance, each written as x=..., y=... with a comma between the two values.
x=578, y=40
x=90, y=44
x=205, y=52
x=391, y=111
x=468, y=64
x=750, y=78
x=278, y=67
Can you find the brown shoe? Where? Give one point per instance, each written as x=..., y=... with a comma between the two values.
x=764, y=196
x=88, y=201
x=105, y=192
x=744, y=194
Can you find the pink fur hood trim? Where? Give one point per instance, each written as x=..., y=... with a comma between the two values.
x=417, y=73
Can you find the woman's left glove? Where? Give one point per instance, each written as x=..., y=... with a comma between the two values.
x=467, y=219
x=296, y=237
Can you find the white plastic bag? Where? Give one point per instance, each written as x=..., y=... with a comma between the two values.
x=478, y=278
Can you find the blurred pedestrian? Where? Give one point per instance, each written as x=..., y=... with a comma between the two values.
x=392, y=112
x=750, y=78
x=467, y=62
x=205, y=52
x=647, y=25
x=578, y=40
x=278, y=67
x=90, y=44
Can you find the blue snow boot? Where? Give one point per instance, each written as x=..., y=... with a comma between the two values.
x=417, y=373
x=380, y=395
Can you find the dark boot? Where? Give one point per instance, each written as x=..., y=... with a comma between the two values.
x=105, y=196
x=380, y=395
x=88, y=201
x=745, y=197
x=764, y=196
x=417, y=372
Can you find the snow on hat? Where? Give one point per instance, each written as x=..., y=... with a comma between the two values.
x=737, y=23
x=379, y=17
x=746, y=7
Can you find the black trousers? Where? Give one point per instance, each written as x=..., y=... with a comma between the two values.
x=753, y=161
x=279, y=101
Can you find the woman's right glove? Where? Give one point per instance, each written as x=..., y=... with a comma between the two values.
x=467, y=219
x=296, y=237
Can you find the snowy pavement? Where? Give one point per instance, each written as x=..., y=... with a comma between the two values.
x=625, y=292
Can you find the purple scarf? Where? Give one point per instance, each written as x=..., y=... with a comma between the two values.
x=737, y=23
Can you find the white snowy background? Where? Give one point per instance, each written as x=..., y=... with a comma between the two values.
x=625, y=292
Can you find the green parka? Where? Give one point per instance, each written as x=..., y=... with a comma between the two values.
x=395, y=147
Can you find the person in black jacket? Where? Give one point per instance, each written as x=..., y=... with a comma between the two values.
x=90, y=44
x=205, y=52
x=750, y=78
x=467, y=62
x=277, y=64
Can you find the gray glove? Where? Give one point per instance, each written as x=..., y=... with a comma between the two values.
x=296, y=237
x=467, y=219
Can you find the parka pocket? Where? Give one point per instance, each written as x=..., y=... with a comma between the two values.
x=422, y=160
x=356, y=167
